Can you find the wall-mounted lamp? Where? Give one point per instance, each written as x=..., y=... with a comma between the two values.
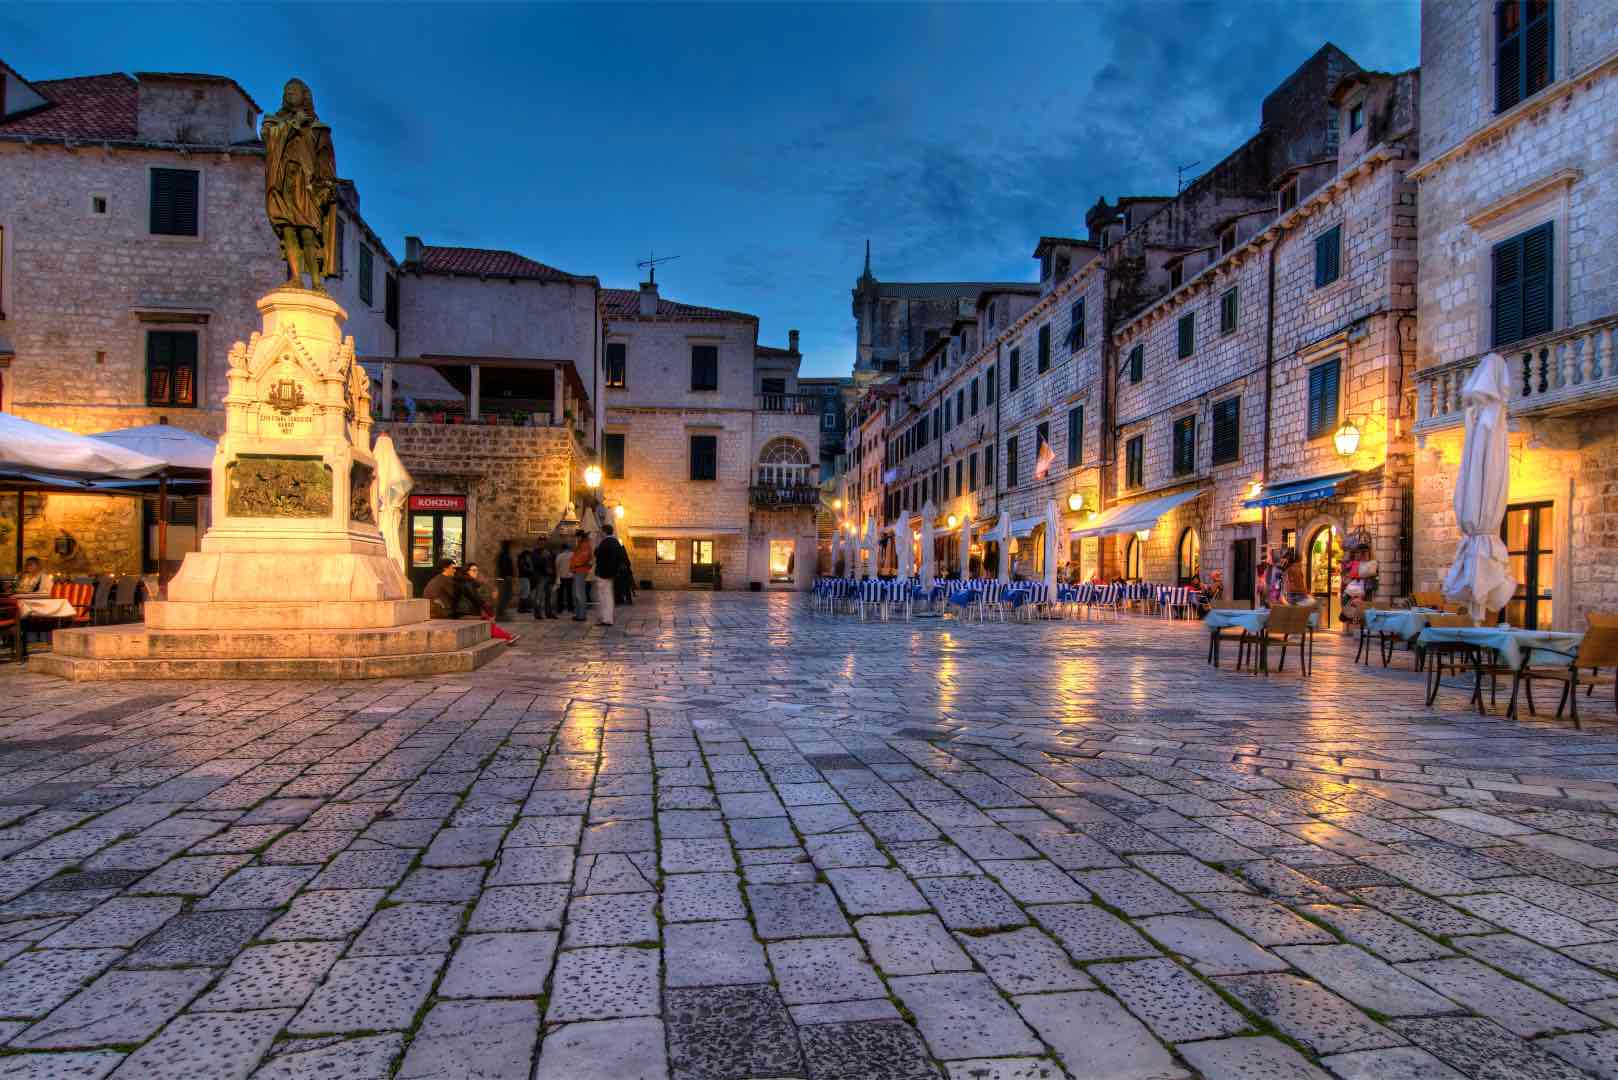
x=837, y=504
x=1347, y=439
x=1256, y=490
x=618, y=511
x=1075, y=502
x=592, y=476
x=953, y=521
x=1143, y=535
x=1093, y=515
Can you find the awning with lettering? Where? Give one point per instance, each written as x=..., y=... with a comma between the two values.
x=1132, y=517
x=1299, y=491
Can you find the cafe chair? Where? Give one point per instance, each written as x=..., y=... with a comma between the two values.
x=1597, y=651
x=1286, y=623
x=11, y=626
x=1433, y=600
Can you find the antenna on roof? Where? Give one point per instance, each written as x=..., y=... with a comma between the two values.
x=649, y=264
x=1179, y=176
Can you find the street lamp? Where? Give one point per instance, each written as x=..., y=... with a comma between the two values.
x=1075, y=502
x=953, y=521
x=1143, y=535
x=837, y=504
x=592, y=476
x=1347, y=439
x=618, y=511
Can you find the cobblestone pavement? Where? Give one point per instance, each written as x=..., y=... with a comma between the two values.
x=732, y=838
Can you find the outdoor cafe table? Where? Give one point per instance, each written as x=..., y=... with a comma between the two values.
x=1401, y=623
x=1247, y=620
x=43, y=606
x=1512, y=647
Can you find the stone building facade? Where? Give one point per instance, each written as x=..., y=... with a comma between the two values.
x=895, y=321
x=133, y=250
x=1518, y=225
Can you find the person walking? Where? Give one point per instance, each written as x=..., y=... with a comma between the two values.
x=544, y=581
x=564, y=574
x=505, y=571
x=579, y=565
x=609, y=560
x=525, y=580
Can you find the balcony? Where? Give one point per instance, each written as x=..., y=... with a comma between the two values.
x=795, y=404
x=784, y=496
x=1563, y=372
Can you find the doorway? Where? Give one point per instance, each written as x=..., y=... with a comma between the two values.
x=437, y=530
x=1529, y=531
x=1325, y=556
x=702, y=562
x=1243, y=568
x=783, y=562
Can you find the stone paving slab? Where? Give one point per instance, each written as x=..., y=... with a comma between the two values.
x=817, y=850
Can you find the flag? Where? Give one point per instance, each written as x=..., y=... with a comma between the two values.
x=1042, y=463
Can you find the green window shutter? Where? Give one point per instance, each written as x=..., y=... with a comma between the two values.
x=1185, y=445
x=1227, y=428
x=1045, y=348
x=974, y=397
x=1328, y=256
x=390, y=302
x=959, y=466
x=1135, y=462
x=990, y=382
x=704, y=457
x=1075, y=332
x=1011, y=462
x=1137, y=363
x=1323, y=388
x=972, y=472
x=1188, y=335
x=1227, y=312
x=989, y=473
x=367, y=273
x=1524, y=51
x=704, y=367
x=1507, y=258
x=1537, y=260
x=1014, y=379
x=612, y=456
x=1075, y=436
x=174, y=202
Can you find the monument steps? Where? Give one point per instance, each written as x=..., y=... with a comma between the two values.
x=402, y=665
x=136, y=642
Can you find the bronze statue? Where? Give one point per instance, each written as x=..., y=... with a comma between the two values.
x=300, y=187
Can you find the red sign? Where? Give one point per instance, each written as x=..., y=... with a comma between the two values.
x=438, y=502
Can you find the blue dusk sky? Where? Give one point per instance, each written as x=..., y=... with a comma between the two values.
x=762, y=143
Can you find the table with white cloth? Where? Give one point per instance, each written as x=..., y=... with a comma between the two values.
x=1250, y=621
x=44, y=606
x=1512, y=648
x=1392, y=625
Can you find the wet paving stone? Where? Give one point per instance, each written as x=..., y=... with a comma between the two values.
x=883, y=1050
x=597, y=984
x=1024, y=961
x=119, y=1008
x=1309, y=1013
x=375, y=993
x=731, y=1033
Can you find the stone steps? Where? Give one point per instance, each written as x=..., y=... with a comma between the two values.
x=375, y=666
x=138, y=642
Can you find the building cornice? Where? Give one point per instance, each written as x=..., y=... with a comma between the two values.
x=1501, y=207
x=1492, y=130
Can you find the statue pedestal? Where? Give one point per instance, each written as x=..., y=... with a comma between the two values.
x=293, y=578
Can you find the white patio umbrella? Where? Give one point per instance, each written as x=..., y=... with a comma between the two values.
x=1481, y=574
x=29, y=447
x=927, y=567
x=873, y=550
x=174, y=446
x=836, y=543
x=1053, y=533
x=966, y=546
x=1002, y=534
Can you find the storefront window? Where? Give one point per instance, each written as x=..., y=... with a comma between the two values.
x=666, y=551
x=783, y=560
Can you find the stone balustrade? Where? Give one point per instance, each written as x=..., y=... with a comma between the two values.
x=1560, y=372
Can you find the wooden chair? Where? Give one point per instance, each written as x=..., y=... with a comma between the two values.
x=1430, y=600
x=101, y=603
x=1286, y=622
x=11, y=624
x=1598, y=650
x=1364, y=645
x=1602, y=618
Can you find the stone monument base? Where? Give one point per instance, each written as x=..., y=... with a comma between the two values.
x=291, y=650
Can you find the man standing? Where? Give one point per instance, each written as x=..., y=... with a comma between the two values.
x=505, y=569
x=609, y=556
x=544, y=564
x=579, y=566
x=564, y=575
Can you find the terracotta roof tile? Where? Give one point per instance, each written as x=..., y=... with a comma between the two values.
x=625, y=304
x=487, y=262
x=91, y=107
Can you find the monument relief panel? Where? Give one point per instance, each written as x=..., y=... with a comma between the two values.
x=279, y=487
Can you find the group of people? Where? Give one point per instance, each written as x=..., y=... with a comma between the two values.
x=552, y=577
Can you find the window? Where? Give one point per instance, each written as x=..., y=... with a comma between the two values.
x=1188, y=335
x=1075, y=436
x=1135, y=462
x=1227, y=312
x=1523, y=50
x=1523, y=285
x=972, y=472
x=171, y=367
x=1188, y=558
x=612, y=456
x=704, y=367
x=342, y=246
x=390, y=300
x=1176, y=275
x=1011, y=462
x=1289, y=196
x=704, y=457
x=783, y=561
x=1044, y=348
x=1227, y=240
x=1356, y=117
x=947, y=421
x=1075, y=333
x=367, y=285
x=98, y=205
x=974, y=397
x=1134, y=551
x=1185, y=445
x=1042, y=447
x=174, y=202
x=1137, y=363
x=1328, y=256
x=1323, y=380
x=775, y=385
x=991, y=314
x=989, y=473
x=989, y=385
x=960, y=466
x=960, y=405
x=617, y=354
x=1014, y=365
x=1227, y=430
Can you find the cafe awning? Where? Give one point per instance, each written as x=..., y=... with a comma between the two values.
x=1132, y=517
x=1299, y=491
x=684, y=532
x=1024, y=527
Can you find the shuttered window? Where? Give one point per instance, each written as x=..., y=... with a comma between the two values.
x=1075, y=436
x=171, y=367
x=959, y=466
x=704, y=367
x=1188, y=335
x=1227, y=312
x=1011, y=462
x=960, y=406
x=704, y=457
x=1185, y=445
x=989, y=473
x=1227, y=430
x=1014, y=365
x=1137, y=363
x=974, y=397
x=1044, y=348
x=1323, y=383
x=1075, y=333
x=1524, y=50
x=989, y=384
x=972, y=472
x=1328, y=256
x=1523, y=285
x=612, y=455
x=390, y=301
x=1135, y=462
x=367, y=276
x=174, y=202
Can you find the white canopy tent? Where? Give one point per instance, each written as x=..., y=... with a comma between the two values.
x=928, y=570
x=1481, y=575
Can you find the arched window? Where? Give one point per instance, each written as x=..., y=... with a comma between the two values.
x=1134, y=557
x=783, y=462
x=1189, y=561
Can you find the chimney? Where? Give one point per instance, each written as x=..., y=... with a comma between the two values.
x=792, y=341
x=648, y=299
x=413, y=249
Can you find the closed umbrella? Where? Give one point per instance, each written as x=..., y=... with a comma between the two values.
x=966, y=547
x=389, y=494
x=927, y=568
x=1481, y=575
x=902, y=549
x=1002, y=535
x=1053, y=529
x=873, y=550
